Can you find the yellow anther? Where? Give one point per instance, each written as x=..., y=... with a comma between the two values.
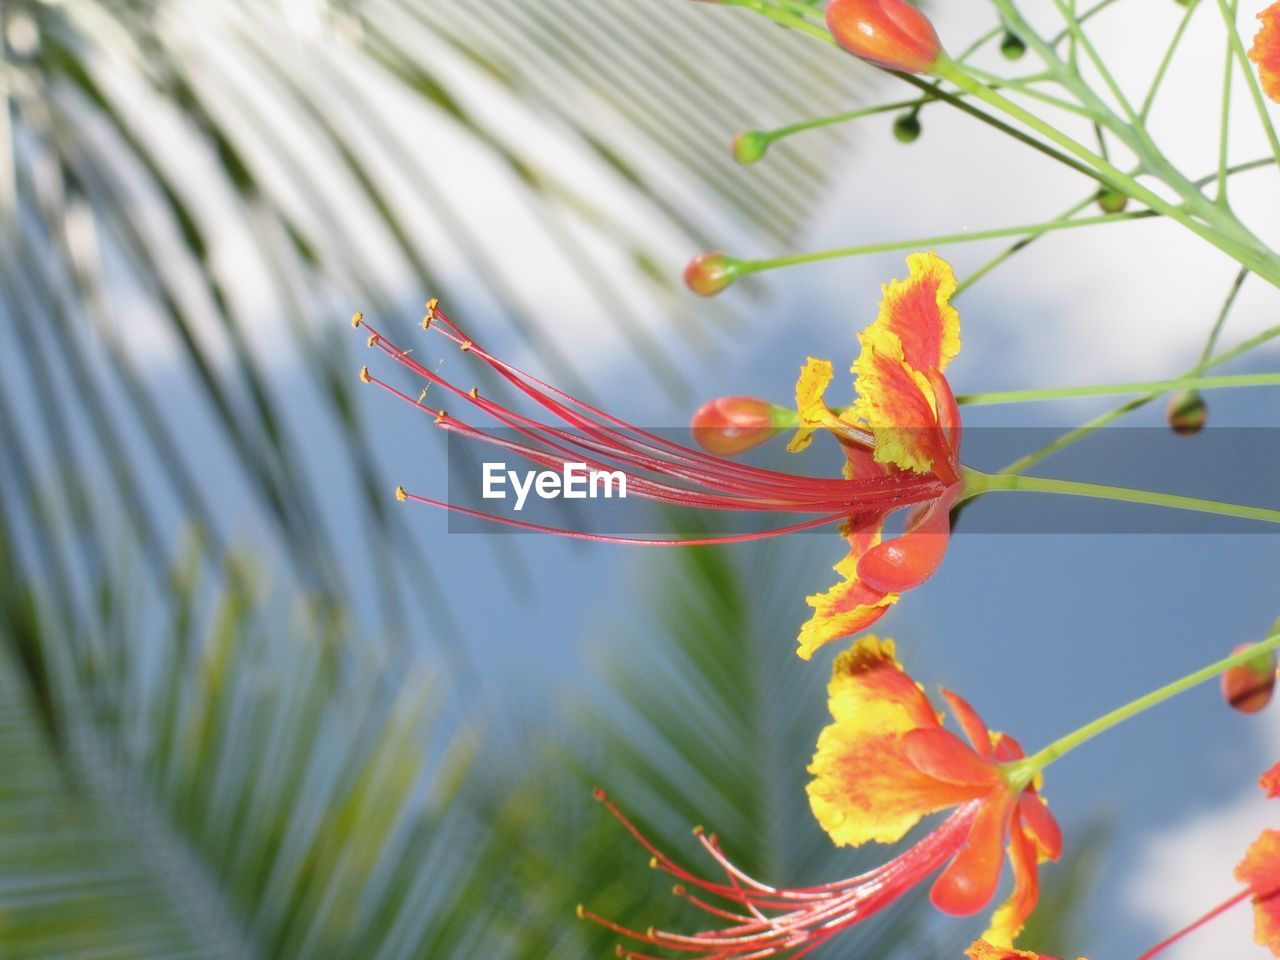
x=650, y=932
x=426, y=322
x=422, y=396
x=432, y=306
x=582, y=912
x=466, y=345
x=475, y=393
x=441, y=417
x=357, y=318
x=653, y=863
x=373, y=340
x=697, y=831
x=679, y=890
x=401, y=495
x=364, y=375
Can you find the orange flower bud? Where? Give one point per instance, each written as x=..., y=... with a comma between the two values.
x=709, y=273
x=1248, y=687
x=888, y=33
x=730, y=425
x=1187, y=413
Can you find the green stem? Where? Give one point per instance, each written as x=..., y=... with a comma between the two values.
x=1097, y=423
x=1167, y=60
x=1224, y=133
x=978, y=483
x=1023, y=771
x=743, y=267
x=1111, y=389
x=1232, y=242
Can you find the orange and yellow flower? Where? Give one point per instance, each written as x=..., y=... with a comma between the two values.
x=1259, y=871
x=884, y=763
x=904, y=423
x=1266, y=51
x=887, y=761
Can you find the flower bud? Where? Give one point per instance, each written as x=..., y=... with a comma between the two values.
x=1187, y=413
x=1112, y=201
x=1247, y=687
x=907, y=127
x=730, y=425
x=709, y=273
x=1012, y=47
x=749, y=146
x=889, y=33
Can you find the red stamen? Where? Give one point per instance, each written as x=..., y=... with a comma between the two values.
x=1197, y=924
x=655, y=468
x=782, y=921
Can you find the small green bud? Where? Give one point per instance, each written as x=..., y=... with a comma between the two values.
x=907, y=127
x=749, y=146
x=1012, y=47
x=1187, y=413
x=1112, y=201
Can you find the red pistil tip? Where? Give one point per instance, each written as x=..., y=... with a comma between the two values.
x=401, y=495
x=357, y=318
x=749, y=146
x=731, y=425
x=889, y=33
x=709, y=273
x=1187, y=413
x=599, y=794
x=1248, y=686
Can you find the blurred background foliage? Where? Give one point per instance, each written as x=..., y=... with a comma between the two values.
x=208, y=747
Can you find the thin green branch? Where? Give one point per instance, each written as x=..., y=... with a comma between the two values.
x=1150, y=99
x=1114, y=389
x=1251, y=78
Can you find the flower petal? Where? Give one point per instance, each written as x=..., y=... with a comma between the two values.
x=865, y=786
x=1011, y=916
x=815, y=377
x=944, y=756
x=898, y=403
x=1266, y=51
x=982, y=950
x=850, y=605
x=970, y=880
x=1041, y=825
x=1260, y=869
x=918, y=311
x=970, y=722
x=905, y=562
x=1270, y=782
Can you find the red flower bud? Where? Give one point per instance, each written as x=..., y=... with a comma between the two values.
x=1187, y=413
x=888, y=33
x=730, y=425
x=1248, y=687
x=709, y=273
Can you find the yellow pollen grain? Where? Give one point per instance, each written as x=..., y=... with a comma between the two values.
x=401, y=495
x=357, y=318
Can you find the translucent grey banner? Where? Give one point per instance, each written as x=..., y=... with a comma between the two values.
x=601, y=492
